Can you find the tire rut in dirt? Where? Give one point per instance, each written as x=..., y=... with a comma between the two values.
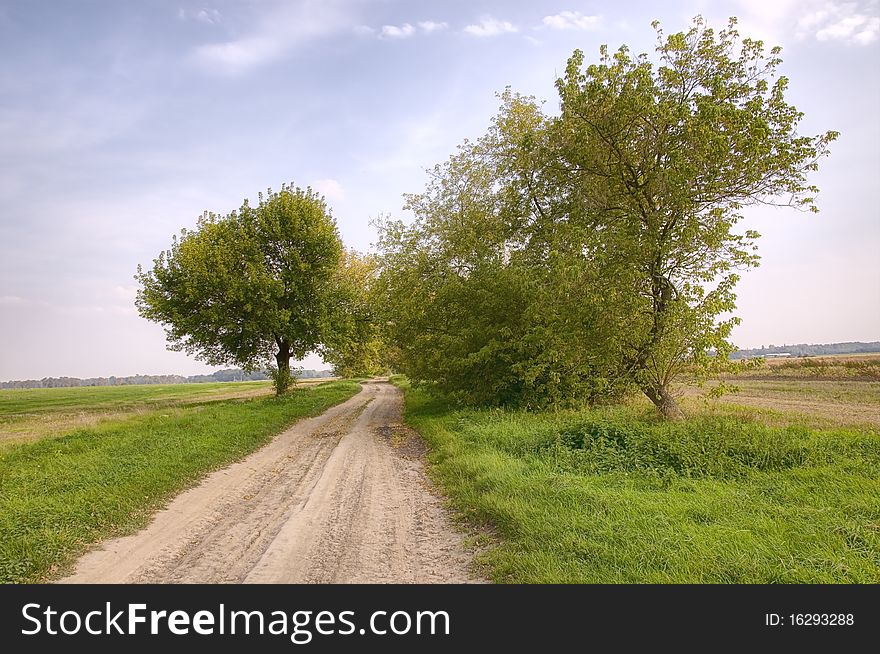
x=334, y=499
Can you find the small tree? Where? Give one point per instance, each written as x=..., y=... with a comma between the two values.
x=356, y=347
x=251, y=287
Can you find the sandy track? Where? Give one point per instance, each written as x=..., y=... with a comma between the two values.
x=340, y=498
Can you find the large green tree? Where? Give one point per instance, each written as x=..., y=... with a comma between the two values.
x=257, y=286
x=578, y=254
x=485, y=300
x=656, y=162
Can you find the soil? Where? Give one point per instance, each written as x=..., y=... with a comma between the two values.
x=341, y=498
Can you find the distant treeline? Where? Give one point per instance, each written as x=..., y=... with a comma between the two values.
x=804, y=350
x=230, y=375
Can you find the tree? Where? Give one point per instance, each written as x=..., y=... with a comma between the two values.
x=356, y=347
x=249, y=287
x=583, y=254
x=655, y=165
x=480, y=302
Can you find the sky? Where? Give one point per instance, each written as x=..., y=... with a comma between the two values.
x=122, y=121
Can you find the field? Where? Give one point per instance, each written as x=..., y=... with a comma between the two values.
x=840, y=368
x=826, y=392
x=30, y=414
x=774, y=483
x=818, y=403
x=136, y=448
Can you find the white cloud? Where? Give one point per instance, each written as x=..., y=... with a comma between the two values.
x=489, y=26
x=210, y=16
x=276, y=30
x=774, y=11
x=809, y=22
x=854, y=23
x=779, y=22
x=771, y=21
x=204, y=15
x=407, y=29
x=869, y=34
x=394, y=32
x=842, y=22
x=238, y=56
x=571, y=20
x=429, y=26
x=364, y=30
x=533, y=40
x=330, y=189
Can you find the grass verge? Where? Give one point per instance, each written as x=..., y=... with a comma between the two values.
x=57, y=496
x=614, y=496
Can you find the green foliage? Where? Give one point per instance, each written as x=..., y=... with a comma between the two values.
x=659, y=162
x=249, y=287
x=574, y=257
x=282, y=378
x=479, y=304
x=60, y=495
x=356, y=347
x=616, y=496
x=720, y=389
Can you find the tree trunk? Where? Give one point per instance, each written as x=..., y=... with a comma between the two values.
x=283, y=361
x=664, y=401
x=282, y=377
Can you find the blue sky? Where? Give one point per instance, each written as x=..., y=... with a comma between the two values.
x=121, y=121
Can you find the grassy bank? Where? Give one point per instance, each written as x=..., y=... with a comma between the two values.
x=615, y=496
x=59, y=495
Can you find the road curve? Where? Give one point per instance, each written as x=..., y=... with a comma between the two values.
x=340, y=498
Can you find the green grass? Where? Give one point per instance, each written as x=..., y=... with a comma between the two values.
x=59, y=495
x=26, y=414
x=828, y=391
x=806, y=402
x=616, y=496
x=105, y=398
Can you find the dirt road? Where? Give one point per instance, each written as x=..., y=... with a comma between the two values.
x=335, y=499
